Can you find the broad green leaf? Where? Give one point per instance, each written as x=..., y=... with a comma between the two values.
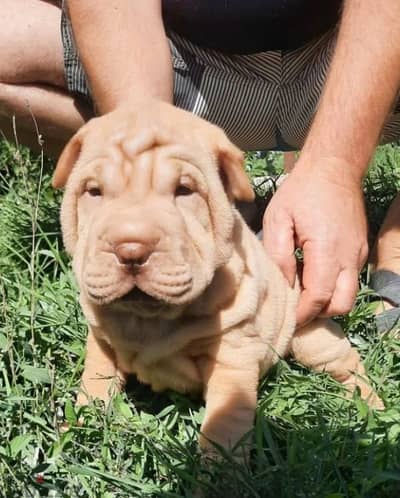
x=18, y=443
x=35, y=374
x=121, y=407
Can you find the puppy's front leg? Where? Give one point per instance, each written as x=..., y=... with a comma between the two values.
x=231, y=398
x=323, y=346
x=100, y=378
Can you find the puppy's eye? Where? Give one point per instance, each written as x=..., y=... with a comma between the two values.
x=93, y=189
x=186, y=186
x=183, y=190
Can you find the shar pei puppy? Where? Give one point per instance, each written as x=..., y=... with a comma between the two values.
x=175, y=287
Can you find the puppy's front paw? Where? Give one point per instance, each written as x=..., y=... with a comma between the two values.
x=367, y=393
x=98, y=387
x=212, y=452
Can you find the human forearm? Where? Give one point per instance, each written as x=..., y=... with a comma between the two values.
x=124, y=50
x=362, y=83
x=320, y=208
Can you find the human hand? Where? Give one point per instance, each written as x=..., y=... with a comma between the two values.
x=320, y=209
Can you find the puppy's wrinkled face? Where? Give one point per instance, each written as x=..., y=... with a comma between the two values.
x=151, y=228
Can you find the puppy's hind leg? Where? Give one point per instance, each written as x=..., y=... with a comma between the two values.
x=322, y=346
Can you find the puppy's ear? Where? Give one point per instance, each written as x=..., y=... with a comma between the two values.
x=234, y=178
x=67, y=160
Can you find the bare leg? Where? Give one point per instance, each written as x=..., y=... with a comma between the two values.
x=32, y=83
x=40, y=110
x=322, y=345
x=386, y=253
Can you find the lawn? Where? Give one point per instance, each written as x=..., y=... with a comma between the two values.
x=309, y=440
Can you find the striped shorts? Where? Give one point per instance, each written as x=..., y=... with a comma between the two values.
x=263, y=101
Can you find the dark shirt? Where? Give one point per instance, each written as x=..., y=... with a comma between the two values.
x=250, y=26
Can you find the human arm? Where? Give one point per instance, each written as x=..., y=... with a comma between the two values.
x=124, y=50
x=320, y=206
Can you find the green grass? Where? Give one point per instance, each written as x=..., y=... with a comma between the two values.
x=308, y=440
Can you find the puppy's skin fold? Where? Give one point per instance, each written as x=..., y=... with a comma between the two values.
x=175, y=287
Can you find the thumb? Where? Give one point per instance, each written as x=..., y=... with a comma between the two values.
x=278, y=239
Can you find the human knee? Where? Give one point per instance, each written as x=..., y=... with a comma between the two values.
x=5, y=106
x=30, y=43
x=9, y=101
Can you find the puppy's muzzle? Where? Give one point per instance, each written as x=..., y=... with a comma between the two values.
x=135, y=265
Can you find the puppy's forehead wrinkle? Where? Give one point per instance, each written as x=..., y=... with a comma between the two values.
x=173, y=165
x=165, y=176
x=151, y=170
x=137, y=174
x=157, y=168
x=182, y=154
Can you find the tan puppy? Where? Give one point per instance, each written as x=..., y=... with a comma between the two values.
x=175, y=287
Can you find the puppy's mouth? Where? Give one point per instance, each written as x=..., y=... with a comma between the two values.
x=141, y=304
x=137, y=296
x=149, y=293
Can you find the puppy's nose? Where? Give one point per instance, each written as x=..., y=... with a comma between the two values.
x=134, y=253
